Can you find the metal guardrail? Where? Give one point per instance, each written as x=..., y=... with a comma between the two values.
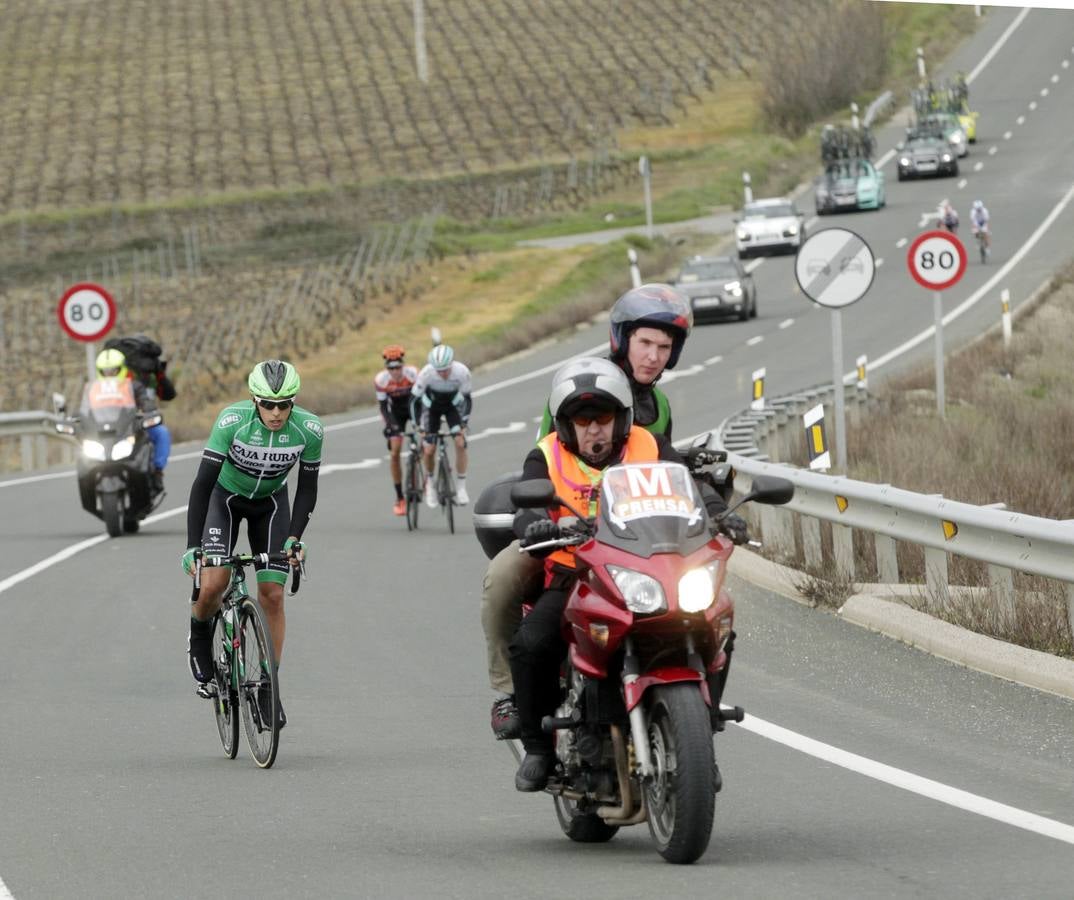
x=33, y=427
x=1007, y=541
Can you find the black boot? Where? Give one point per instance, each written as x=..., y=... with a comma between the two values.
x=533, y=774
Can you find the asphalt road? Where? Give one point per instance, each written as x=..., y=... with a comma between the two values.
x=388, y=783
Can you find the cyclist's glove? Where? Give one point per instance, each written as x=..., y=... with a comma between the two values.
x=291, y=544
x=735, y=527
x=187, y=560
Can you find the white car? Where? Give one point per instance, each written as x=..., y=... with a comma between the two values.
x=769, y=225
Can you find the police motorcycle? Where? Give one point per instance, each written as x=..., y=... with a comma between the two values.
x=115, y=465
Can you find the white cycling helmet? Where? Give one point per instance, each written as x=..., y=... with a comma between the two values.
x=441, y=356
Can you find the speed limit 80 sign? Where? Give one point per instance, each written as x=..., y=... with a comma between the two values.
x=87, y=312
x=937, y=260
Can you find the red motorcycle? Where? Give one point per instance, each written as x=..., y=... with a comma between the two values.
x=650, y=633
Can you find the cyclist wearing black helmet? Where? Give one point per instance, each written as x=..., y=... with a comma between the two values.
x=647, y=331
x=243, y=475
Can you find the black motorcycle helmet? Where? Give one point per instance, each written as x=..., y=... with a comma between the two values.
x=650, y=306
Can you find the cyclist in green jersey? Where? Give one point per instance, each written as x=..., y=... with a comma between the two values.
x=243, y=475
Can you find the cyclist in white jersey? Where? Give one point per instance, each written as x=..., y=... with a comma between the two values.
x=443, y=391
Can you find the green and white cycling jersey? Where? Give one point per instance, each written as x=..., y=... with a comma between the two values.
x=256, y=459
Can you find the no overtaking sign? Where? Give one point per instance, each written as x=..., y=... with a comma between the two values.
x=834, y=267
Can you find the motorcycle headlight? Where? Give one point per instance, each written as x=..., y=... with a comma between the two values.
x=122, y=449
x=734, y=288
x=697, y=589
x=642, y=593
x=93, y=450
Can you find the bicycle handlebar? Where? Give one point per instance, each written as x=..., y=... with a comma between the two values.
x=241, y=560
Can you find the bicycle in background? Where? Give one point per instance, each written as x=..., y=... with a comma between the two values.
x=244, y=670
x=413, y=480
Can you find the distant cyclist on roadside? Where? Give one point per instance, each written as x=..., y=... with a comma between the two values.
x=393, y=385
x=442, y=390
x=243, y=475
x=980, y=223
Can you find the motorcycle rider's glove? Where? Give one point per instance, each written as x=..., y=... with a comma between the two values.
x=696, y=457
x=537, y=533
x=187, y=560
x=735, y=527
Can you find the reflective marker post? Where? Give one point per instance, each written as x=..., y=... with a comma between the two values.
x=1005, y=300
x=835, y=268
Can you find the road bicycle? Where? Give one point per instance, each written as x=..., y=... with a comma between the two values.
x=982, y=244
x=244, y=670
x=445, y=480
x=414, y=480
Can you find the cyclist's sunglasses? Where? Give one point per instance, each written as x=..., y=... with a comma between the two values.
x=275, y=404
x=583, y=420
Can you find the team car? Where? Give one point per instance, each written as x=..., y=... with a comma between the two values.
x=772, y=224
x=950, y=127
x=925, y=152
x=717, y=287
x=849, y=184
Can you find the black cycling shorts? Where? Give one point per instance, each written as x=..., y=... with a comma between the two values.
x=267, y=522
x=430, y=421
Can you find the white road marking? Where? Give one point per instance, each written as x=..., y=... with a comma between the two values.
x=695, y=369
x=786, y=323
x=510, y=428
x=1044, y=92
x=712, y=360
x=346, y=467
x=885, y=159
x=755, y=340
x=994, y=49
x=978, y=166
x=753, y=264
x=901, y=242
x=962, y=183
x=33, y=478
x=1021, y=120
x=879, y=261
x=1055, y=79
x=5, y=894
x=908, y=781
x=1032, y=104
x=1066, y=63
x=1006, y=135
x=992, y=150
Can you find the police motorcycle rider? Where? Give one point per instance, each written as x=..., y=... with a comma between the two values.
x=593, y=414
x=252, y=447
x=648, y=328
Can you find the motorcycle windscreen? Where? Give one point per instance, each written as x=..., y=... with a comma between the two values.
x=648, y=508
x=108, y=406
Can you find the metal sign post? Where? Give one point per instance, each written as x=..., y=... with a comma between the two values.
x=835, y=268
x=937, y=260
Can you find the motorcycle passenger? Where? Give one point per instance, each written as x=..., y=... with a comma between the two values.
x=980, y=221
x=948, y=217
x=647, y=331
x=393, y=385
x=593, y=414
x=243, y=475
x=113, y=364
x=443, y=390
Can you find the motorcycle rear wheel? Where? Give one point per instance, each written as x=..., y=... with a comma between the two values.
x=682, y=796
x=583, y=827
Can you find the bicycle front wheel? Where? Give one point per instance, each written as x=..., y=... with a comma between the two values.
x=225, y=704
x=259, y=690
x=415, y=484
x=446, y=489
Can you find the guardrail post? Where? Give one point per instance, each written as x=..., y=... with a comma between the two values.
x=1001, y=583
x=887, y=560
x=26, y=445
x=778, y=529
x=40, y=451
x=1070, y=606
x=936, y=577
x=811, y=546
x=843, y=547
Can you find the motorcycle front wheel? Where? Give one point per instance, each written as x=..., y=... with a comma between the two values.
x=583, y=827
x=682, y=795
x=112, y=513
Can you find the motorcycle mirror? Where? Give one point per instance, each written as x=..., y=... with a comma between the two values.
x=150, y=421
x=533, y=494
x=771, y=489
x=59, y=404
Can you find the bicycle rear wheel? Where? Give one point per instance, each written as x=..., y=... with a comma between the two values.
x=225, y=705
x=446, y=489
x=259, y=688
x=414, y=486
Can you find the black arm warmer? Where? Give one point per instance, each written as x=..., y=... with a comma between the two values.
x=305, y=497
x=387, y=412
x=200, y=491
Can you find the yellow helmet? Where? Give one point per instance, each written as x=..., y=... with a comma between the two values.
x=111, y=364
